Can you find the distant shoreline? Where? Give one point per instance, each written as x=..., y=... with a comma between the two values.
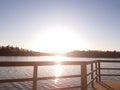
x=16, y=51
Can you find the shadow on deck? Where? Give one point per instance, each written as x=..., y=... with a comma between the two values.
x=106, y=86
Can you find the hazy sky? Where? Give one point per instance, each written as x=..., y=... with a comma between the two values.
x=96, y=23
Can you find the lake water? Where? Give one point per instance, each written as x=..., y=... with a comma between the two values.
x=44, y=71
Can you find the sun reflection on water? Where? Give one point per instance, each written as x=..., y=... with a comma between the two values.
x=59, y=58
x=58, y=68
x=58, y=71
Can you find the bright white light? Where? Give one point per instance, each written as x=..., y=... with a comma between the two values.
x=59, y=58
x=57, y=40
x=57, y=71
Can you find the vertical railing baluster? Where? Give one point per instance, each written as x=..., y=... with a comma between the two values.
x=83, y=76
x=35, y=77
x=99, y=73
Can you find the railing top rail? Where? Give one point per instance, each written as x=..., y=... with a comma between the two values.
x=42, y=63
x=109, y=61
x=47, y=63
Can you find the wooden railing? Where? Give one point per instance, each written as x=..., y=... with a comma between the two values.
x=100, y=68
x=94, y=73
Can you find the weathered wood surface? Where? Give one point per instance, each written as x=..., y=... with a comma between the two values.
x=112, y=85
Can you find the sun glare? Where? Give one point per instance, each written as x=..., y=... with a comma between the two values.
x=58, y=68
x=59, y=58
x=57, y=71
x=57, y=40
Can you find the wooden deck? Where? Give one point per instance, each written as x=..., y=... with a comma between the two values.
x=107, y=86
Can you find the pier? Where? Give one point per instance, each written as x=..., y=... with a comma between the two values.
x=95, y=81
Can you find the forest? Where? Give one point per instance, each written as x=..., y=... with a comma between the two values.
x=94, y=54
x=16, y=51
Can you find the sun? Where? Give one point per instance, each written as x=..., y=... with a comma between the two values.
x=57, y=40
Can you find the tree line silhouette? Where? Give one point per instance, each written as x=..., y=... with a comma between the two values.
x=16, y=51
x=94, y=54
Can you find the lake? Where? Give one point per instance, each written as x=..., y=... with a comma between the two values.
x=44, y=71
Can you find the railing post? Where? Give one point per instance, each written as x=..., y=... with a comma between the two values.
x=35, y=78
x=96, y=73
x=92, y=74
x=99, y=73
x=83, y=76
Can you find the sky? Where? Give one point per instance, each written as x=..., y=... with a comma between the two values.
x=60, y=25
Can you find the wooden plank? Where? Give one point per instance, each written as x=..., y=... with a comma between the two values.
x=114, y=85
x=4, y=64
x=110, y=68
x=110, y=74
x=60, y=77
x=99, y=72
x=92, y=72
x=35, y=78
x=16, y=80
x=42, y=63
x=66, y=88
x=109, y=61
x=96, y=73
x=83, y=76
